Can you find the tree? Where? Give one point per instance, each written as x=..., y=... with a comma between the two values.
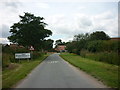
x=71, y=46
x=81, y=37
x=80, y=42
x=99, y=35
x=58, y=42
x=48, y=44
x=29, y=31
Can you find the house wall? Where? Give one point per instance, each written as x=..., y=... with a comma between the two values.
x=60, y=48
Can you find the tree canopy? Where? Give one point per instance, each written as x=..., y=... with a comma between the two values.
x=91, y=42
x=81, y=37
x=29, y=31
x=48, y=45
x=99, y=35
x=59, y=42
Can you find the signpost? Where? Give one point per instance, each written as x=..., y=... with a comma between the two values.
x=25, y=55
x=31, y=49
x=22, y=55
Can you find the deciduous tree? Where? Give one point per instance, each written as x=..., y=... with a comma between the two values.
x=29, y=31
x=99, y=35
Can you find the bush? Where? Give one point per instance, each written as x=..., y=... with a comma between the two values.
x=108, y=57
x=95, y=46
x=101, y=46
x=36, y=54
x=83, y=53
x=112, y=45
x=5, y=60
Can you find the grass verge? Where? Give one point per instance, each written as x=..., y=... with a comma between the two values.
x=12, y=76
x=107, y=73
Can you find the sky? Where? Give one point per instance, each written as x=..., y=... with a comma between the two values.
x=65, y=18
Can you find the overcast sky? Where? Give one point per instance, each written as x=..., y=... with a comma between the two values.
x=65, y=18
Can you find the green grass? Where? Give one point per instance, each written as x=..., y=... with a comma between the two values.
x=107, y=73
x=11, y=76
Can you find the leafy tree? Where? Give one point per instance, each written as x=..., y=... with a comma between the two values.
x=58, y=42
x=95, y=46
x=99, y=35
x=48, y=44
x=30, y=30
x=71, y=47
x=79, y=37
x=81, y=40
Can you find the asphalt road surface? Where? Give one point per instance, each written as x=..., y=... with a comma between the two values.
x=54, y=72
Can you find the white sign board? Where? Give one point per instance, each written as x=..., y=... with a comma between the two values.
x=22, y=55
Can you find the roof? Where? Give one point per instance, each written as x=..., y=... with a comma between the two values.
x=115, y=38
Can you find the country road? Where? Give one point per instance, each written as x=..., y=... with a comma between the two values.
x=54, y=72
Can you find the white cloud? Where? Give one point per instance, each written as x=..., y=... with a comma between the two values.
x=58, y=23
x=4, y=41
x=82, y=23
x=107, y=22
x=71, y=0
x=9, y=14
x=105, y=15
x=81, y=8
x=42, y=5
x=5, y=31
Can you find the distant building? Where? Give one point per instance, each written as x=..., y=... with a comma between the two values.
x=115, y=38
x=60, y=48
x=14, y=45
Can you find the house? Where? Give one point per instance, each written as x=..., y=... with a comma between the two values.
x=115, y=38
x=13, y=45
x=60, y=48
x=16, y=46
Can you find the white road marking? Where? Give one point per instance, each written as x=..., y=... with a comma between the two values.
x=53, y=62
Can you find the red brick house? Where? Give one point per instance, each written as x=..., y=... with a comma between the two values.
x=16, y=46
x=60, y=48
x=116, y=38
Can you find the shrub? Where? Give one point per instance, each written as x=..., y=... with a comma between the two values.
x=95, y=46
x=108, y=57
x=36, y=54
x=5, y=60
x=112, y=45
x=83, y=53
x=101, y=46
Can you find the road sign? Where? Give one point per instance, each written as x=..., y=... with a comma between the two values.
x=22, y=55
x=31, y=48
